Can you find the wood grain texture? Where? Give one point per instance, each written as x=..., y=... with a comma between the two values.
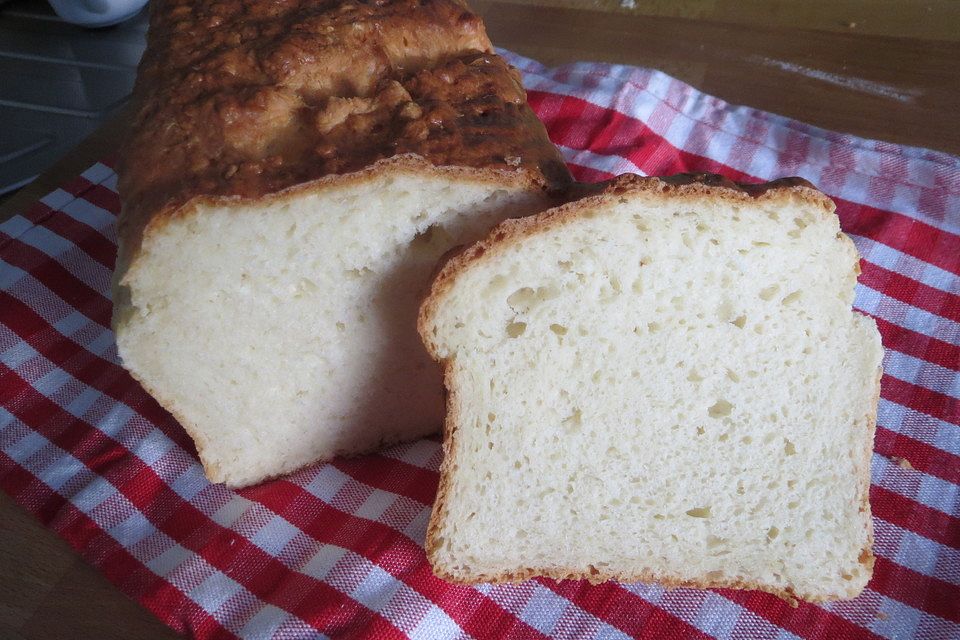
x=48, y=591
x=886, y=69
x=929, y=21
x=900, y=89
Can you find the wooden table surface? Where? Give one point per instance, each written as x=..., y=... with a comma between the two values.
x=885, y=69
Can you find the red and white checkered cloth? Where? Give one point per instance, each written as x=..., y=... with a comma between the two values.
x=336, y=550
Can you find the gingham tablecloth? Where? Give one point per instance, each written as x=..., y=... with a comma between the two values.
x=336, y=550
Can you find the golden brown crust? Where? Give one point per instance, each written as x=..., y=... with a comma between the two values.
x=247, y=98
x=752, y=189
x=447, y=467
x=863, y=489
x=331, y=47
x=596, y=576
x=506, y=234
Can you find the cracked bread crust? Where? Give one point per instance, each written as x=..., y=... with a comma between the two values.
x=506, y=234
x=265, y=102
x=244, y=99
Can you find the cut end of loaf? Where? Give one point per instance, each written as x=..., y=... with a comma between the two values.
x=662, y=382
x=280, y=332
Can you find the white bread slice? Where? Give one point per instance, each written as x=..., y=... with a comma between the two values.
x=664, y=381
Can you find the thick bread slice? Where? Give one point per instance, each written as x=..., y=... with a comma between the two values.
x=295, y=170
x=664, y=381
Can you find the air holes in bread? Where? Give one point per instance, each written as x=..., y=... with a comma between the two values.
x=720, y=409
x=516, y=329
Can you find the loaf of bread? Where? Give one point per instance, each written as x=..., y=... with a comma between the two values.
x=293, y=173
x=662, y=381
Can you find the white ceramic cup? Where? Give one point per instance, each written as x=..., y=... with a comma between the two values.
x=96, y=13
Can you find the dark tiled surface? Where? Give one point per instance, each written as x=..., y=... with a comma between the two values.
x=58, y=82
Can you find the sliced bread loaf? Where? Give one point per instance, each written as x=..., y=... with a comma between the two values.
x=294, y=171
x=663, y=381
